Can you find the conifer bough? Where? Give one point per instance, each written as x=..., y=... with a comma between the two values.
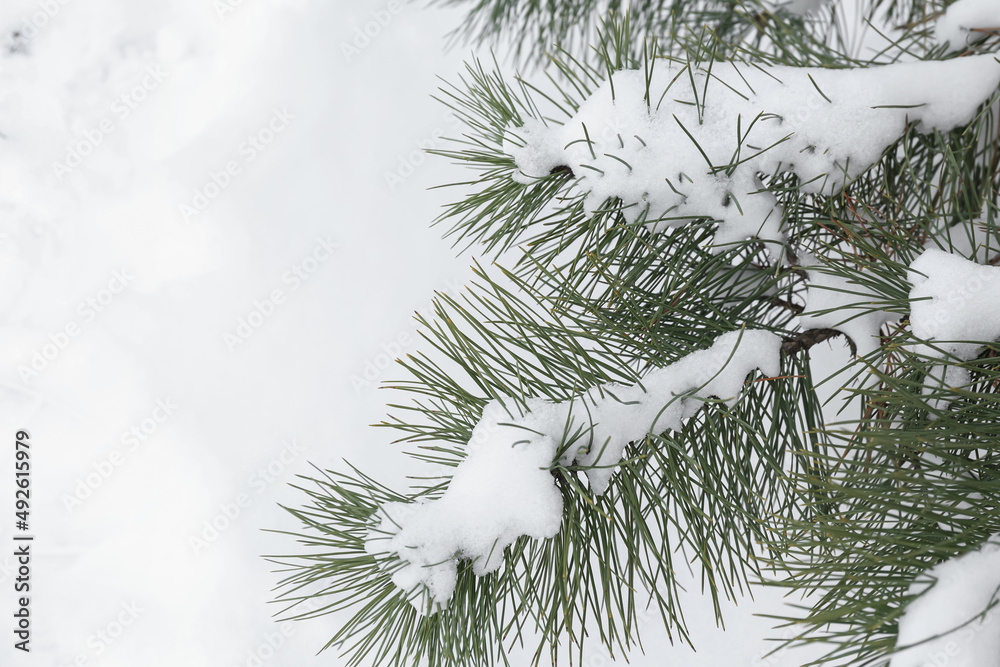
x=685, y=211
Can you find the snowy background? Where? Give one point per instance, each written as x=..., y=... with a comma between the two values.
x=214, y=233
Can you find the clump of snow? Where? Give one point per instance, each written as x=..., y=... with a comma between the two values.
x=834, y=302
x=504, y=488
x=955, y=308
x=967, y=21
x=692, y=143
x=954, y=622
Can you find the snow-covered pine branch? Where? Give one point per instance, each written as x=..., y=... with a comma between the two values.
x=504, y=489
x=680, y=141
x=760, y=174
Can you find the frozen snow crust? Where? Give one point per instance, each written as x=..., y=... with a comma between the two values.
x=504, y=489
x=692, y=143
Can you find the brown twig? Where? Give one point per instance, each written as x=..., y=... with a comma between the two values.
x=805, y=340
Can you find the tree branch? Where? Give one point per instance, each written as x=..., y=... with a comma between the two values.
x=805, y=340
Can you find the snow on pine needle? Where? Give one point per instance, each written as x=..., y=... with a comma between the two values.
x=680, y=142
x=954, y=311
x=629, y=211
x=504, y=489
x=955, y=620
x=967, y=21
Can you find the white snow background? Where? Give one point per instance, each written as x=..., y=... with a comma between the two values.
x=148, y=425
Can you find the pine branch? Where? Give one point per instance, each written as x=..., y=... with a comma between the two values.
x=596, y=286
x=806, y=339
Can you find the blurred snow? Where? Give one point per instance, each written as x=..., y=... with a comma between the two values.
x=175, y=368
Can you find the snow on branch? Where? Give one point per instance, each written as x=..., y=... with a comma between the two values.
x=682, y=142
x=505, y=489
x=967, y=21
x=954, y=309
x=955, y=621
